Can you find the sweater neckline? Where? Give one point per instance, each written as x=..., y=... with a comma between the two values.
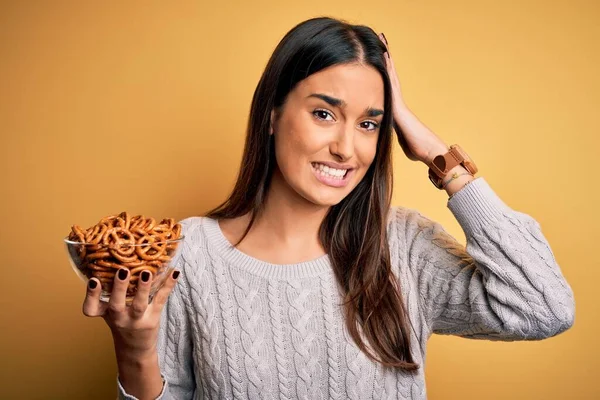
x=239, y=259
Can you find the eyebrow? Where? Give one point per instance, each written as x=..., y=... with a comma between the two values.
x=332, y=101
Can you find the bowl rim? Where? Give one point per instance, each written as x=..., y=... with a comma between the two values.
x=179, y=239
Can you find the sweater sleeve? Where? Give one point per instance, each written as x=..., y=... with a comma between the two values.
x=174, y=344
x=504, y=285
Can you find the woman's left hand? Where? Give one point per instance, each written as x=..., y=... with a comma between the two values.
x=417, y=141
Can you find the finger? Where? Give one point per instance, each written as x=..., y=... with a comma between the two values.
x=160, y=298
x=119, y=292
x=140, y=301
x=392, y=70
x=387, y=55
x=391, y=61
x=384, y=40
x=388, y=64
x=91, y=304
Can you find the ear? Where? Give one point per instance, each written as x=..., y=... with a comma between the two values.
x=272, y=124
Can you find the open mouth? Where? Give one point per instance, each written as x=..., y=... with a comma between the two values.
x=330, y=173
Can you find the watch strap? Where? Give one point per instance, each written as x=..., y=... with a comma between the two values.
x=443, y=163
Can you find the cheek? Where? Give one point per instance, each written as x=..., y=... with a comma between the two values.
x=295, y=146
x=289, y=152
x=366, y=148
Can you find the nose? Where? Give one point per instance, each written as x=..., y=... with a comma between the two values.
x=342, y=146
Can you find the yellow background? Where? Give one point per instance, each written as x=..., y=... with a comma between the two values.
x=111, y=106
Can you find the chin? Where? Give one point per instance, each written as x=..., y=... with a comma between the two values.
x=326, y=202
x=325, y=197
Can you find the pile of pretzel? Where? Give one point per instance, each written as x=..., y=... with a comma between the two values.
x=120, y=241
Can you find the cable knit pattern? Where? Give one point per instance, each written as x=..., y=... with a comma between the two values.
x=302, y=320
x=237, y=327
x=231, y=330
x=252, y=337
x=359, y=372
x=331, y=301
x=207, y=327
x=283, y=370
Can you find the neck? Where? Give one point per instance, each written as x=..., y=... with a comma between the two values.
x=288, y=219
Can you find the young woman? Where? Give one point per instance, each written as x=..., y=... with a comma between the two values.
x=304, y=283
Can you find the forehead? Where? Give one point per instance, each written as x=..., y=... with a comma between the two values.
x=358, y=85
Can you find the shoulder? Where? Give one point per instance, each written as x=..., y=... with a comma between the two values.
x=191, y=226
x=405, y=222
x=193, y=230
x=414, y=235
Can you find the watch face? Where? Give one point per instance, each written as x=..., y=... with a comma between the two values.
x=440, y=162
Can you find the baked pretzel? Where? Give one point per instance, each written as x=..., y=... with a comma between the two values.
x=121, y=241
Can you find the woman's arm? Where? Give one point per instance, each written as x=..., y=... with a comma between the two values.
x=505, y=285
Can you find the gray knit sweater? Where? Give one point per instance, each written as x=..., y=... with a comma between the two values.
x=239, y=328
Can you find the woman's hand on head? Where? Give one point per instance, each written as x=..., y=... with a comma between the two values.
x=134, y=327
x=418, y=142
x=397, y=98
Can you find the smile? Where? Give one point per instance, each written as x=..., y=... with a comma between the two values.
x=331, y=176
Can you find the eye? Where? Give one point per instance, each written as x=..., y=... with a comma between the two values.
x=375, y=125
x=322, y=114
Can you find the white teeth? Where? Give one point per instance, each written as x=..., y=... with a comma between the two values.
x=328, y=171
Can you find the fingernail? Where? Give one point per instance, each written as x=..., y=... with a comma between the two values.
x=145, y=276
x=92, y=284
x=175, y=274
x=122, y=274
x=384, y=39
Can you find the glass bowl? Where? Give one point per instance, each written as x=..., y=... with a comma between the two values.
x=103, y=261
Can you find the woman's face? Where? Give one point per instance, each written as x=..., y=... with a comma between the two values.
x=326, y=134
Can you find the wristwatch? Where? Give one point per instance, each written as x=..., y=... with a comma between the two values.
x=443, y=163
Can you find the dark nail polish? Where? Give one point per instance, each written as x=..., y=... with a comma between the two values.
x=122, y=274
x=384, y=39
x=175, y=274
x=145, y=276
x=92, y=284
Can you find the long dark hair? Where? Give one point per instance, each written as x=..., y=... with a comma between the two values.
x=354, y=231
